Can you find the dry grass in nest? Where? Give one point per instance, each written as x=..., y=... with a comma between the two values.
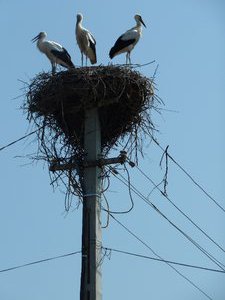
x=57, y=105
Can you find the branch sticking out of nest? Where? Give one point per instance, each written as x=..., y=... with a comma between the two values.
x=57, y=105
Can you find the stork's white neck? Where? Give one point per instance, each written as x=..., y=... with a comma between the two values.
x=79, y=22
x=40, y=43
x=138, y=27
x=138, y=23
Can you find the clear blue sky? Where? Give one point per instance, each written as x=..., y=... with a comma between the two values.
x=187, y=40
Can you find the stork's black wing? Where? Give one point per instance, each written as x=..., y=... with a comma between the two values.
x=63, y=56
x=119, y=45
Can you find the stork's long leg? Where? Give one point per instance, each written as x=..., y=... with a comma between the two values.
x=86, y=60
x=127, y=58
x=82, y=59
x=53, y=68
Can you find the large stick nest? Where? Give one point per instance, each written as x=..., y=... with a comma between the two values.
x=57, y=105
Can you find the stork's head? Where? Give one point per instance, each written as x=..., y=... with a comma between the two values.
x=40, y=36
x=139, y=20
x=79, y=17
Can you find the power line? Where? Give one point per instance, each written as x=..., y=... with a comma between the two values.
x=170, y=265
x=130, y=196
x=189, y=176
x=39, y=261
x=184, y=214
x=114, y=250
x=147, y=201
x=18, y=140
x=163, y=260
x=210, y=256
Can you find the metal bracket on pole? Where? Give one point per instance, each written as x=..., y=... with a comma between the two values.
x=121, y=159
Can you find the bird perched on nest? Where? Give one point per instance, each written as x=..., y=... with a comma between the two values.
x=85, y=41
x=56, y=53
x=127, y=41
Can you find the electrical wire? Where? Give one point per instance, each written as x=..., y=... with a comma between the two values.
x=177, y=208
x=39, y=261
x=147, y=201
x=163, y=260
x=170, y=265
x=18, y=140
x=106, y=210
x=130, y=194
x=189, y=176
x=210, y=256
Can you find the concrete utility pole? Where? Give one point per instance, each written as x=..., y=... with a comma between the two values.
x=91, y=288
x=91, y=277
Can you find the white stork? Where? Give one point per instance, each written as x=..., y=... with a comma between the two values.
x=127, y=41
x=57, y=54
x=85, y=41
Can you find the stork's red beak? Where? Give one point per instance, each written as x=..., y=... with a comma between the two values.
x=143, y=22
x=35, y=38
